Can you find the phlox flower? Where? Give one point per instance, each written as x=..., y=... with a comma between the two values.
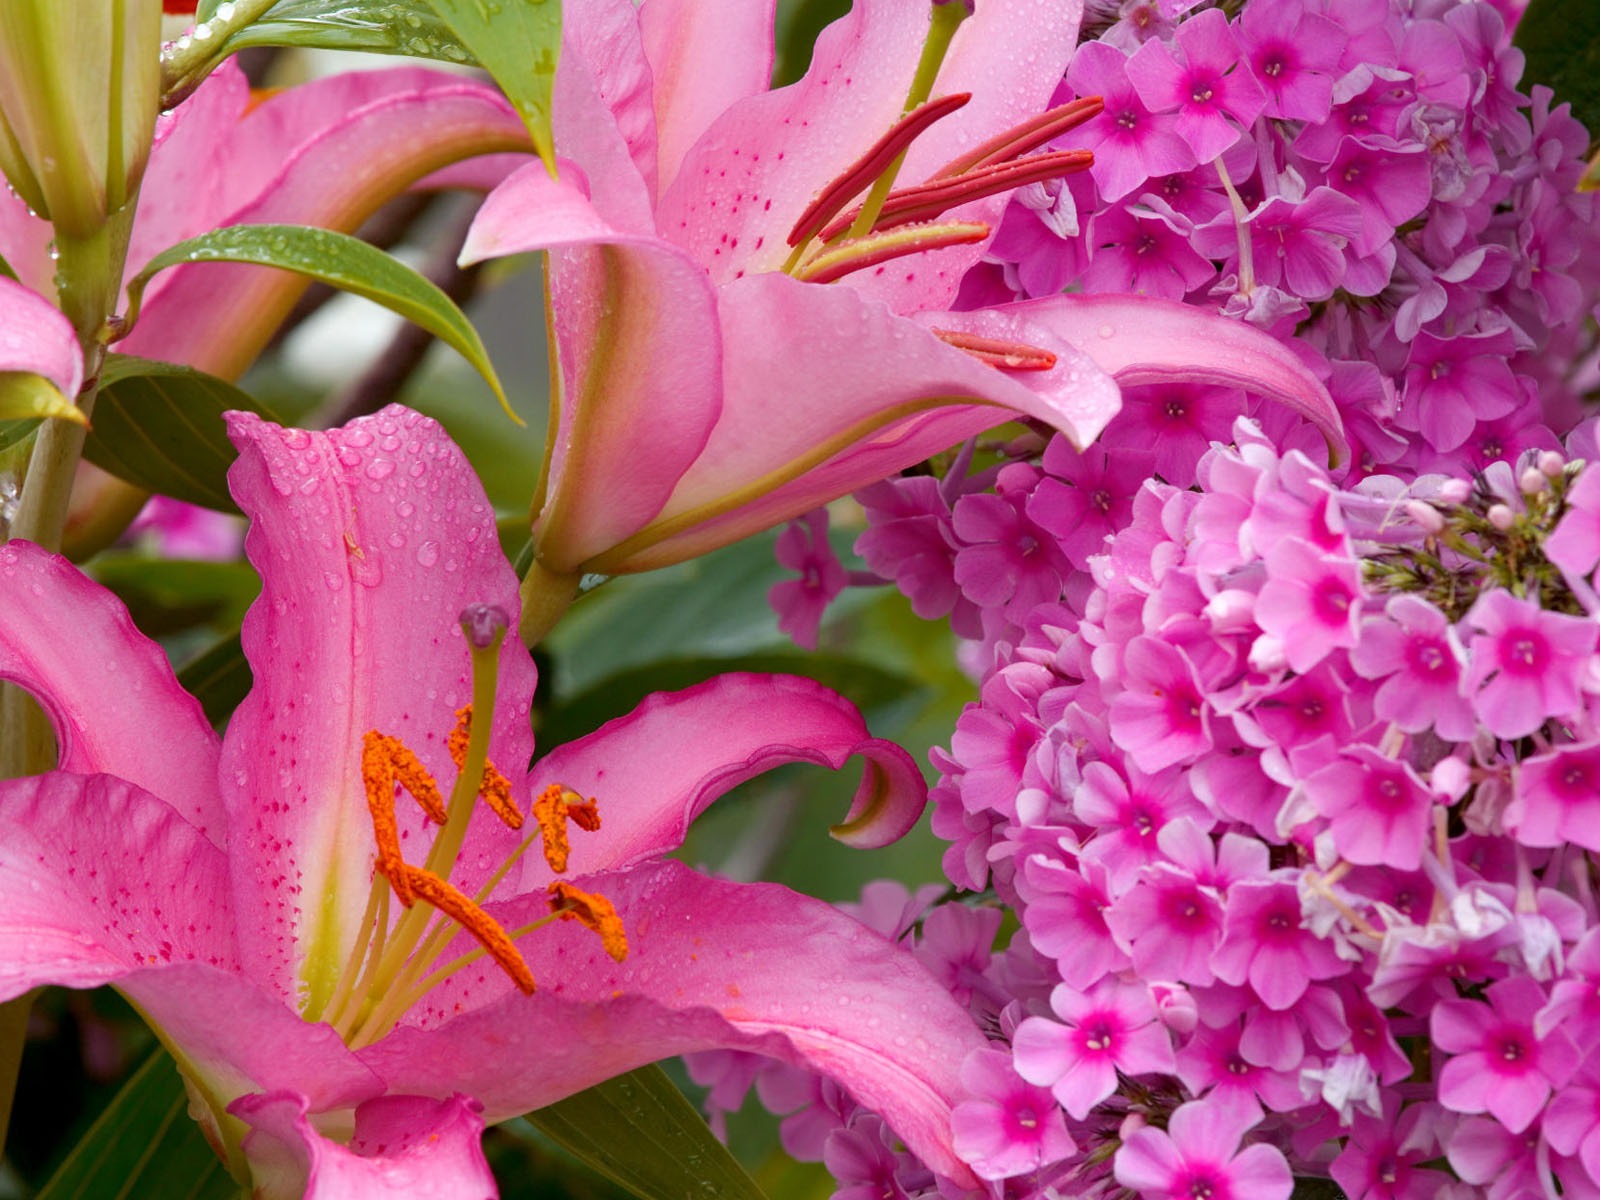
x=1131, y=142
x=1556, y=798
x=320, y=958
x=1379, y=812
x=1180, y=420
x=1414, y=649
x=1572, y=1120
x=1311, y=602
x=1293, y=54
x=1129, y=815
x=1160, y=719
x=1108, y=1029
x=1198, y=1154
x=1499, y=1065
x=1169, y=924
x=1266, y=942
x=804, y=547
x=1524, y=663
x=1212, y=1064
x=1199, y=77
x=1009, y=1127
x=1145, y=250
x=1086, y=496
x=1381, y=1160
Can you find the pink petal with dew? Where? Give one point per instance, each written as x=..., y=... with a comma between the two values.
x=109, y=690
x=403, y=1146
x=35, y=337
x=370, y=541
x=705, y=56
x=711, y=964
x=866, y=393
x=100, y=879
x=604, y=100
x=638, y=340
x=1140, y=339
x=399, y=126
x=655, y=770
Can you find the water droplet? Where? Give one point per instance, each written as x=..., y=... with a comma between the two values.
x=428, y=553
x=380, y=468
x=334, y=580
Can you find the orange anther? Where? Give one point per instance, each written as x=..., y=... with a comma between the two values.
x=594, y=911
x=494, y=787
x=378, y=774
x=553, y=808
x=445, y=897
x=997, y=352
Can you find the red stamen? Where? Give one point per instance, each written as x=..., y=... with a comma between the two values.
x=997, y=352
x=926, y=201
x=1029, y=135
x=877, y=247
x=858, y=176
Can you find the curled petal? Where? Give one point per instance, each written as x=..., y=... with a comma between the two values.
x=35, y=337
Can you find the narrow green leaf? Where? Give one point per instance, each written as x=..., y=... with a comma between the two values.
x=159, y=426
x=12, y=432
x=219, y=678
x=1561, y=42
x=340, y=261
x=144, y=1144
x=24, y=395
x=640, y=1131
x=517, y=42
x=410, y=28
x=6, y=270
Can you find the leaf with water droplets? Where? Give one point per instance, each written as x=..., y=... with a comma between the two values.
x=340, y=261
x=408, y=27
x=517, y=42
x=159, y=426
x=640, y=1131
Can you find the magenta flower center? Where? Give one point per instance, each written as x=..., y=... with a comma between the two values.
x=1426, y=656
x=1525, y=652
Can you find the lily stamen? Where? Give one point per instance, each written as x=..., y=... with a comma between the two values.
x=594, y=911
x=456, y=905
x=555, y=806
x=1021, y=138
x=494, y=787
x=855, y=254
x=998, y=352
x=386, y=761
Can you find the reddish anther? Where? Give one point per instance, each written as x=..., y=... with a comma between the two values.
x=858, y=176
x=1020, y=139
x=926, y=201
x=998, y=352
x=881, y=246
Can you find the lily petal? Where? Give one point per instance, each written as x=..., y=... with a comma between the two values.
x=866, y=393
x=109, y=690
x=370, y=541
x=655, y=770
x=399, y=126
x=1141, y=339
x=404, y=1146
x=715, y=964
x=35, y=337
x=636, y=329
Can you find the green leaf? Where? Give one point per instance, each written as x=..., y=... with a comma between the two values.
x=517, y=42
x=1561, y=41
x=640, y=1131
x=12, y=432
x=24, y=395
x=159, y=426
x=411, y=28
x=144, y=1144
x=340, y=261
x=218, y=677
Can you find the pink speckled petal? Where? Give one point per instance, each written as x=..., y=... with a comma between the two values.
x=705, y=56
x=99, y=879
x=109, y=690
x=292, y=159
x=370, y=540
x=638, y=341
x=711, y=964
x=1141, y=339
x=403, y=1146
x=847, y=364
x=35, y=337
x=655, y=770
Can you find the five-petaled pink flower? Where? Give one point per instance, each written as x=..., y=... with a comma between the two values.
x=319, y=957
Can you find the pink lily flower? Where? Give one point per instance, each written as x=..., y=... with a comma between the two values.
x=219, y=160
x=36, y=338
x=351, y=988
x=714, y=378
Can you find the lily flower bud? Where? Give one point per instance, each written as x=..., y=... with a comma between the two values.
x=79, y=91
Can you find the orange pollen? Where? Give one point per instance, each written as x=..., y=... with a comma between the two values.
x=495, y=788
x=553, y=808
x=997, y=352
x=594, y=911
x=386, y=761
x=445, y=897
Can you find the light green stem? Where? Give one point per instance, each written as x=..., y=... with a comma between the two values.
x=546, y=595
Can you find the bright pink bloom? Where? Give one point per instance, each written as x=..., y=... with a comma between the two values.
x=1111, y=1028
x=1131, y=143
x=1201, y=79
x=675, y=309
x=800, y=603
x=1212, y=1063
x=1087, y=495
x=1198, y=1155
x=1311, y=602
x=1524, y=663
x=1011, y=1127
x=1556, y=798
x=1266, y=942
x=222, y=885
x=1294, y=55
x=1416, y=653
x=1169, y=924
x=1499, y=1065
x=1379, y=812
x=1381, y=1159
x=1161, y=719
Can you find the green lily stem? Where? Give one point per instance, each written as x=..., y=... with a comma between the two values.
x=546, y=595
x=182, y=70
x=946, y=18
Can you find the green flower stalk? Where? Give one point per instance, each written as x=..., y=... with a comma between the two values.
x=80, y=87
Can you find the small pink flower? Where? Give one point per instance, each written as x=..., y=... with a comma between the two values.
x=1556, y=798
x=1379, y=812
x=1109, y=1029
x=1499, y=1065
x=1198, y=1155
x=1311, y=602
x=1416, y=653
x=1161, y=718
x=804, y=547
x=1524, y=663
x=1009, y=1127
x=1266, y=942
